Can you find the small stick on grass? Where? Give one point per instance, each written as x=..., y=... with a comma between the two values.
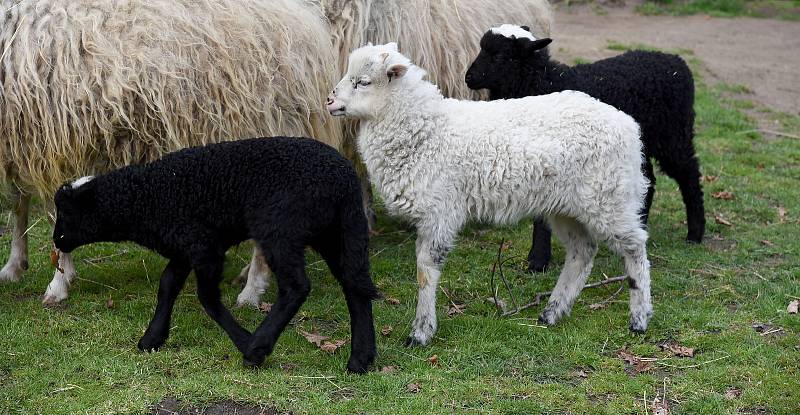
x=537, y=299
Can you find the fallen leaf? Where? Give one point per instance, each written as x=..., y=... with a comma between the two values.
x=733, y=393
x=265, y=307
x=110, y=303
x=677, y=349
x=331, y=347
x=314, y=337
x=388, y=369
x=710, y=178
x=638, y=365
x=724, y=195
x=413, y=387
x=54, y=257
x=392, y=301
x=434, y=360
x=767, y=243
x=456, y=309
x=782, y=214
x=506, y=246
x=580, y=373
x=721, y=220
x=386, y=330
x=792, y=308
x=500, y=303
x=659, y=407
x=286, y=367
x=760, y=166
x=597, y=306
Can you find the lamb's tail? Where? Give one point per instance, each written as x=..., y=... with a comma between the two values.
x=355, y=248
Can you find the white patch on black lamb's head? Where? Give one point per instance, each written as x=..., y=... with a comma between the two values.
x=371, y=71
x=513, y=31
x=77, y=221
x=80, y=182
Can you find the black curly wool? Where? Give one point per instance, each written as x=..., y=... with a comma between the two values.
x=194, y=204
x=654, y=88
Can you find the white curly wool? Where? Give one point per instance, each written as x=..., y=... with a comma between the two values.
x=441, y=162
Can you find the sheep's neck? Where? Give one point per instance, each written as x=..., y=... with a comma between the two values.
x=537, y=79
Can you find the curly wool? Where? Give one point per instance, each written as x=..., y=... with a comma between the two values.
x=194, y=204
x=655, y=88
x=441, y=162
x=91, y=85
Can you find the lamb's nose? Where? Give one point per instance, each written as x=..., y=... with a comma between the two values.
x=468, y=77
x=329, y=101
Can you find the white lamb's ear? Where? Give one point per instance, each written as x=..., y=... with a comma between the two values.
x=392, y=46
x=384, y=56
x=369, y=43
x=396, y=71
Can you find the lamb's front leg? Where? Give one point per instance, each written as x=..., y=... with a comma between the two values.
x=58, y=288
x=172, y=280
x=431, y=254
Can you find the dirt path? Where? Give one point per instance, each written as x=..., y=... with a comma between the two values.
x=761, y=54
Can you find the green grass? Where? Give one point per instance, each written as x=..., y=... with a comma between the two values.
x=82, y=359
x=781, y=9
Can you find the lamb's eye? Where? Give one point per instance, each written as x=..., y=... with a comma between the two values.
x=362, y=83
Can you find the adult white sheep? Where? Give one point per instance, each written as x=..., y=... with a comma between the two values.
x=92, y=85
x=434, y=31
x=440, y=162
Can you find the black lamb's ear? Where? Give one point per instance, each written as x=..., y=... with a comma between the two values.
x=540, y=43
x=526, y=28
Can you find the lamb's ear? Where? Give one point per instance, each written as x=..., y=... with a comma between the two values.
x=392, y=46
x=537, y=44
x=369, y=43
x=396, y=71
x=85, y=193
x=525, y=28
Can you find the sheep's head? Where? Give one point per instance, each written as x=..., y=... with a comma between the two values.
x=77, y=223
x=508, y=53
x=372, y=72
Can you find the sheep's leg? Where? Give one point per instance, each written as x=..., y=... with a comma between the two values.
x=631, y=246
x=431, y=254
x=209, y=272
x=687, y=174
x=18, y=258
x=172, y=280
x=58, y=288
x=651, y=190
x=257, y=281
x=581, y=249
x=541, y=250
x=293, y=289
x=349, y=270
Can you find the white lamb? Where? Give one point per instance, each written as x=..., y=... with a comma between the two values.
x=441, y=162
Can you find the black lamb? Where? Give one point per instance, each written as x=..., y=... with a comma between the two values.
x=194, y=204
x=656, y=89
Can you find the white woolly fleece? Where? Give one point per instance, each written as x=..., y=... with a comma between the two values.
x=512, y=31
x=441, y=162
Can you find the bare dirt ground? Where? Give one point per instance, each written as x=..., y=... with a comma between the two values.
x=761, y=54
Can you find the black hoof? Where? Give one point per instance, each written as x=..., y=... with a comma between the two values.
x=694, y=240
x=252, y=362
x=148, y=345
x=537, y=267
x=357, y=367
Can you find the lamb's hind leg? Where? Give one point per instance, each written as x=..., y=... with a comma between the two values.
x=632, y=247
x=288, y=263
x=18, y=258
x=581, y=249
x=208, y=269
x=257, y=281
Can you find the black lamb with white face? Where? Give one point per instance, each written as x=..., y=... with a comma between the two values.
x=656, y=89
x=194, y=204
